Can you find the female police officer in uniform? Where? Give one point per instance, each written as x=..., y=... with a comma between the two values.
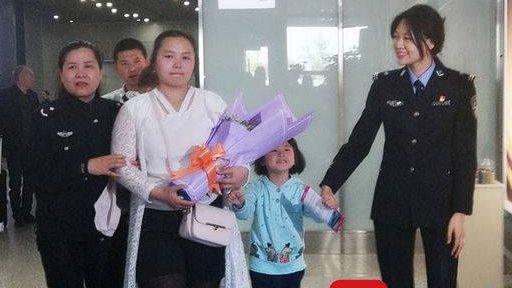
x=426, y=177
x=72, y=164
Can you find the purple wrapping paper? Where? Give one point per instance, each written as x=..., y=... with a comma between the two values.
x=246, y=137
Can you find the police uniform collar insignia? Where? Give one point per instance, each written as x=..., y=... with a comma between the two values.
x=403, y=72
x=440, y=73
x=43, y=113
x=65, y=134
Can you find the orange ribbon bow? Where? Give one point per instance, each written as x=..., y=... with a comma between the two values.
x=202, y=158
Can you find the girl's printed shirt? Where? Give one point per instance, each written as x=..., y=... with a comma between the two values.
x=277, y=232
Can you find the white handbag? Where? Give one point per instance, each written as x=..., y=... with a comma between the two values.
x=208, y=225
x=202, y=223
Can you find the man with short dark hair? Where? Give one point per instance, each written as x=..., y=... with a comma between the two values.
x=17, y=105
x=130, y=58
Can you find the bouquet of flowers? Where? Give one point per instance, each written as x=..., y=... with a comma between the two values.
x=238, y=139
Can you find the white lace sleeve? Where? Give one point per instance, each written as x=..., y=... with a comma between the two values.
x=124, y=141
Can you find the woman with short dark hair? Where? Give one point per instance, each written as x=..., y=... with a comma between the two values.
x=426, y=177
x=72, y=162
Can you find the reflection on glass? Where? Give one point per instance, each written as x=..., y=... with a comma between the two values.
x=256, y=65
x=312, y=53
x=311, y=47
x=292, y=50
x=247, y=4
x=351, y=42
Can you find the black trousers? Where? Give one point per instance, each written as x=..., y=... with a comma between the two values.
x=116, y=256
x=3, y=196
x=292, y=280
x=21, y=188
x=162, y=252
x=72, y=263
x=395, y=253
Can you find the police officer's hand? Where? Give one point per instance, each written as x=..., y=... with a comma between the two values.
x=328, y=197
x=455, y=233
x=105, y=165
x=233, y=177
x=236, y=198
x=169, y=195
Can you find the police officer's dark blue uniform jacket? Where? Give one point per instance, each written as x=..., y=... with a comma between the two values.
x=428, y=166
x=69, y=133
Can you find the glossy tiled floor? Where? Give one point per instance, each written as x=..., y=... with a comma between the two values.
x=20, y=265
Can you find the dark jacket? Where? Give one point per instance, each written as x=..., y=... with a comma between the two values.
x=68, y=133
x=13, y=127
x=428, y=166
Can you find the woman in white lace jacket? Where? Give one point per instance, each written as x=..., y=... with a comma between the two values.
x=159, y=128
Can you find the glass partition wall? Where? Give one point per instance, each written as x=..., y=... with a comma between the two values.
x=265, y=47
x=320, y=54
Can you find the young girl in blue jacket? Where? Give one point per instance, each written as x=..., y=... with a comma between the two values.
x=277, y=233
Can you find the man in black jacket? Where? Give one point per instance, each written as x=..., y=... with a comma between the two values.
x=17, y=105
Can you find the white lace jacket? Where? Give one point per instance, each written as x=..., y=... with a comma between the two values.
x=136, y=117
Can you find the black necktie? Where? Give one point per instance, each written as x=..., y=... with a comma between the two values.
x=418, y=87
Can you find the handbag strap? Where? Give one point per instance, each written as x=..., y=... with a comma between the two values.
x=160, y=112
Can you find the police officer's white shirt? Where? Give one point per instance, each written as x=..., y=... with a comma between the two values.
x=121, y=95
x=137, y=132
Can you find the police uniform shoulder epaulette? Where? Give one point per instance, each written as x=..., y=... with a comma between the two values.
x=385, y=74
x=49, y=109
x=469, y=80
x=469, y=77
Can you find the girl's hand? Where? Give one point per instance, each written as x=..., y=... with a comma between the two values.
x=455, y=233
x=169, y=195
x=105, y=165
x=328, y=197
x=234, y=177
x=236, y=198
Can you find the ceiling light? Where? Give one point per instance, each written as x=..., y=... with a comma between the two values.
x=114, y=10
x=99, y=4
x=197, y=9
x=126, y=15
x=135, y=15
x=82, y=0
x=71, y=21
x=138, y=20
x=146, y=20
x=56, y=17
x=109, y=4
x=186, y=3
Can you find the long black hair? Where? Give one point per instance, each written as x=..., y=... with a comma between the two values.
x=158, y=44
x=424, y=22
